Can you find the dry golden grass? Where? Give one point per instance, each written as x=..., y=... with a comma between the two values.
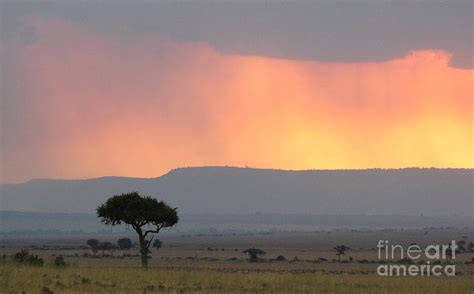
x=77, y=279
x=185, y=265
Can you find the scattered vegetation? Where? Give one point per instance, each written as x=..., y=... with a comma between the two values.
x=280, y=258
x=340, y=250
x=24, y=258
x=125, y=244
x=60, y=262
x=254, y=253
x=157, y=244
x=92, y=242
x=470, y=247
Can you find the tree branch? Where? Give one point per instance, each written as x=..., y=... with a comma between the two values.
x=158, y=228
x=149, y=242
x=151, y=231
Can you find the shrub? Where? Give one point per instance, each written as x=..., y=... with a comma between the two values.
x=125, y=243
x=23, y=257
x=157, y=244
x=93, y=242
x=60, y=262
x=280, y=258
x=105, y=246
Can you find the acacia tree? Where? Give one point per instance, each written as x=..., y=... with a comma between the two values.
x=157, y=244
x=470, y=247
x=340, y=250
x=125, y=243
x=146, y=215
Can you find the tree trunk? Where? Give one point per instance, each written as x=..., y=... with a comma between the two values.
x=143, y=250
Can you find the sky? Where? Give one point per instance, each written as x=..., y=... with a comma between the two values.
x=136, y=89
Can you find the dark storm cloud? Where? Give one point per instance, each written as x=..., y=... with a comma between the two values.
x=333, y=31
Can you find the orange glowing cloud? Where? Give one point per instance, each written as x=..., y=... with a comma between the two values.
x=87, y=104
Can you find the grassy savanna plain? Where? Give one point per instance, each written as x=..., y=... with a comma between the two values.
x=216, y=264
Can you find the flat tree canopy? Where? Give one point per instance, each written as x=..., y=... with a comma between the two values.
x=145, y=214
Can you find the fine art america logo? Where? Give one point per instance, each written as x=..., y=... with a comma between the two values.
x=433, y=260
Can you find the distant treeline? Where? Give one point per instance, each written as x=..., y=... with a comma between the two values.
x=34, y=223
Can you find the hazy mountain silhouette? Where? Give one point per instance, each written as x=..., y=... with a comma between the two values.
x=224, y=190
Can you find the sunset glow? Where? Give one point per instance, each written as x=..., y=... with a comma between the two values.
x=88, y=104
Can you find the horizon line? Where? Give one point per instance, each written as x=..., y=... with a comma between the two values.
x=238, y=167
x=259, y=213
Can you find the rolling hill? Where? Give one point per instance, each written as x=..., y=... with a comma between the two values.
x=230, y=190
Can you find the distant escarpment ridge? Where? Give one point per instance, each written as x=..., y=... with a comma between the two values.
x=232, y=190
